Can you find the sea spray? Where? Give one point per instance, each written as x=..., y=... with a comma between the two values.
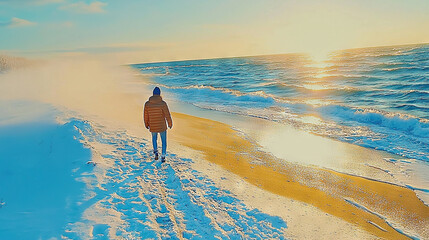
x=89, y=87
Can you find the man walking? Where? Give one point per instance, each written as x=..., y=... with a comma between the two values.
x=155, y=114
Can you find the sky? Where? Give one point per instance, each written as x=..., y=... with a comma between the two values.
x=162, y=30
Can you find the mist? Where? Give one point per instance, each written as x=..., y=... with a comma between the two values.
x=96, y=89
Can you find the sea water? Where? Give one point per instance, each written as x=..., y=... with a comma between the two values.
x=373, y=97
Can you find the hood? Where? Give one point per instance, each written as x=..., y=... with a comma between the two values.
x=155, y=99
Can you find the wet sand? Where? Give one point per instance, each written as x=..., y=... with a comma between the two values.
x=357, y=200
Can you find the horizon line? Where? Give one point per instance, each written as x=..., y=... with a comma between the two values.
x=274, y=54
x=240, y=56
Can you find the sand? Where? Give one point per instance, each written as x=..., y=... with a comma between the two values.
x=357, y=200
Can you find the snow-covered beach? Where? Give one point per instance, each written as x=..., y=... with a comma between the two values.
x=77, y=164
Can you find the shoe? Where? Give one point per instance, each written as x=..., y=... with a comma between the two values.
x=156, y=156
x=163, y=159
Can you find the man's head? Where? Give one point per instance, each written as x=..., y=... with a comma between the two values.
x=156, y=91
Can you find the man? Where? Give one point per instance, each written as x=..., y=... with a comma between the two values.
x=155, y=114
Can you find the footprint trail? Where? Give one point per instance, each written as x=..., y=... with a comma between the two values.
x=132, y=196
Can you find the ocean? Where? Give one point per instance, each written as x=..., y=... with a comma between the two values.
x=373, y=97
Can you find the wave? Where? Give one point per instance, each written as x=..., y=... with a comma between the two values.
x=393, y=121
x=213, y=95
x=408, y=86
x=389, y=65
x=161, y=71
x=420, y=95
x=411, y=107
x=312, y=87
x=145, y=67
x=397, y=72
x=406, y=69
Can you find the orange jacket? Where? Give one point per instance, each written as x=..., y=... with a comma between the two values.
x=155, y=113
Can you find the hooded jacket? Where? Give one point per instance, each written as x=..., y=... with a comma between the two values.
x=155, y=113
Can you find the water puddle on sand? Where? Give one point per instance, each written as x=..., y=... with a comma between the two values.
x=304, y=183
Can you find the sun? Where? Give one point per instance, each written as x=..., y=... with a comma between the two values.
x=319, y=55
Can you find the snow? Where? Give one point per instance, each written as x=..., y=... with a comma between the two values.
x=39, y=165
x=80, y=180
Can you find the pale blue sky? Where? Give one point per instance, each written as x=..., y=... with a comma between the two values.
x=173, y=29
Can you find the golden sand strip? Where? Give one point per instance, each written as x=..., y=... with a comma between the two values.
x=335, y=193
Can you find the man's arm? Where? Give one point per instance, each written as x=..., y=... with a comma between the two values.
x=167, y=115
x=146, y=117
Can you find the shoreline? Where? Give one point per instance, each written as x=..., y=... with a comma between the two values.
x=327, y=153
x=376, y=208
x=294, y=181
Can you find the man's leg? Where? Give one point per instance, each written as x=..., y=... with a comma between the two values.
x=164, y=143
x=154, y=142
